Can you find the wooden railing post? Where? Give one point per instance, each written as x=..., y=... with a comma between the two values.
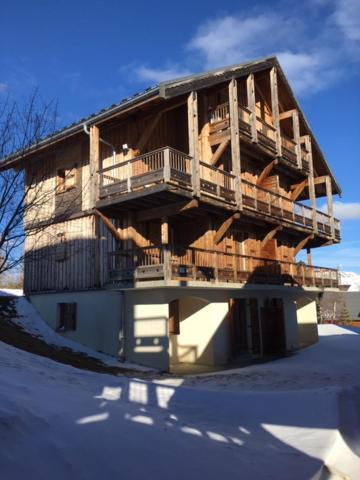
x=296, y=130
x=216, y=266
x=193, y=127
x=330, y=206
x=167, y=171
x=235, y=139
x=165, y=248
x=275, y=109
x=250, y=88
x=94, y=165
x=311, y=183
x=128, y=176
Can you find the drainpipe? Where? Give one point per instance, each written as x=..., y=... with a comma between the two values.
x=87, y=131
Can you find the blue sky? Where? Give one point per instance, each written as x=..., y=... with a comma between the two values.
x=89, y=54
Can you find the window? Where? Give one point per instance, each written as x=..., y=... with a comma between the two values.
x=66, y=179
x=60, y=252
x=66, y=317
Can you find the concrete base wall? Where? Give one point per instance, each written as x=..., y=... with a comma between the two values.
x=204, y=329
x=307, y=321
x=99, y=315
x=204, y=334
x=134, y=323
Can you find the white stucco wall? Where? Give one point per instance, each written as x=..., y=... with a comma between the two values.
x=98, y=317
x=307, y=321
x=203, y=337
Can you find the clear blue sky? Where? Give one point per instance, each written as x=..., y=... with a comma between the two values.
x=90, y=54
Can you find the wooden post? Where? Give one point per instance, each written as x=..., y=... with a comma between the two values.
x=167, y=171
x=308, y=257
x=296, y=131
x=311, y=184
x=94, y=164
x=235, y=139
x=330, y=207
x=250, y=89
x=193, y=130
x=165, y=247
x=275, y=108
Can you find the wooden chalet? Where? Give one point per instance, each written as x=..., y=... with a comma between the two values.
x=207, y=183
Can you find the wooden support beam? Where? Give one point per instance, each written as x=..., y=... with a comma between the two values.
x=193, y=131
x=297, y=189
x=296, y=130
x=219, y=151
x=287, y=114
x=311, y=181
x=224, y=227
x=152, y=124
x=164, y=230
x=302, y=243
x=109, y=225
x=266, y=172
x=146, y=134
x=308, y=257
x=275, y=108
x=250, y=89
x=94, y=165
x=270, y=235
x=129, y=233
x=319, y=180
x=330, y=205
x=235, y=138
x=166, y=210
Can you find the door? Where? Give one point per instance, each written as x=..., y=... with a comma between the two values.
x=273, y=327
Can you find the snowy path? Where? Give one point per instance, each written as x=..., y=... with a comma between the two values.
x=282, y=420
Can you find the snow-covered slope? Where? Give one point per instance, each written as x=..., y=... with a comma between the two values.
x=59, y=422
x=352, y=279
x=29, y=319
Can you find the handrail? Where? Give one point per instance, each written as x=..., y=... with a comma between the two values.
x=216, y=169
x=144, y=155
x=173, y=247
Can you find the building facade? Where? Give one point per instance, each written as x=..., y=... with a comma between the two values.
x=172, y=223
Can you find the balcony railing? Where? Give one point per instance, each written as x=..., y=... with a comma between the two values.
x=149, y=169
x=168, y=165
x=275, y=205
x=193, y=264
x=220, y=121
x=217, y=183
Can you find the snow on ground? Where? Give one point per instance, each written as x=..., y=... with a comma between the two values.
x=60, y=422
x=29, y=319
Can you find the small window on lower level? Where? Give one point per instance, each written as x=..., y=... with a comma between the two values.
x=66, y=317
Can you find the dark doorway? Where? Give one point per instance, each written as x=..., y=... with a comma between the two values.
x=244, y=327
x=273, y=327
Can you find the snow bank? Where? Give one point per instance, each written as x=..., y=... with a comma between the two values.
x=30, y=320
x=59, y=422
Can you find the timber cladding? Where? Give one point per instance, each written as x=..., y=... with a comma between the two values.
x=62, y=256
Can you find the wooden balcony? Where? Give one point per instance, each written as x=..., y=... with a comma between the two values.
x=187, y=264
x=266, y=134
x=272, y=204
x=164, y=166
x=174, y=168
